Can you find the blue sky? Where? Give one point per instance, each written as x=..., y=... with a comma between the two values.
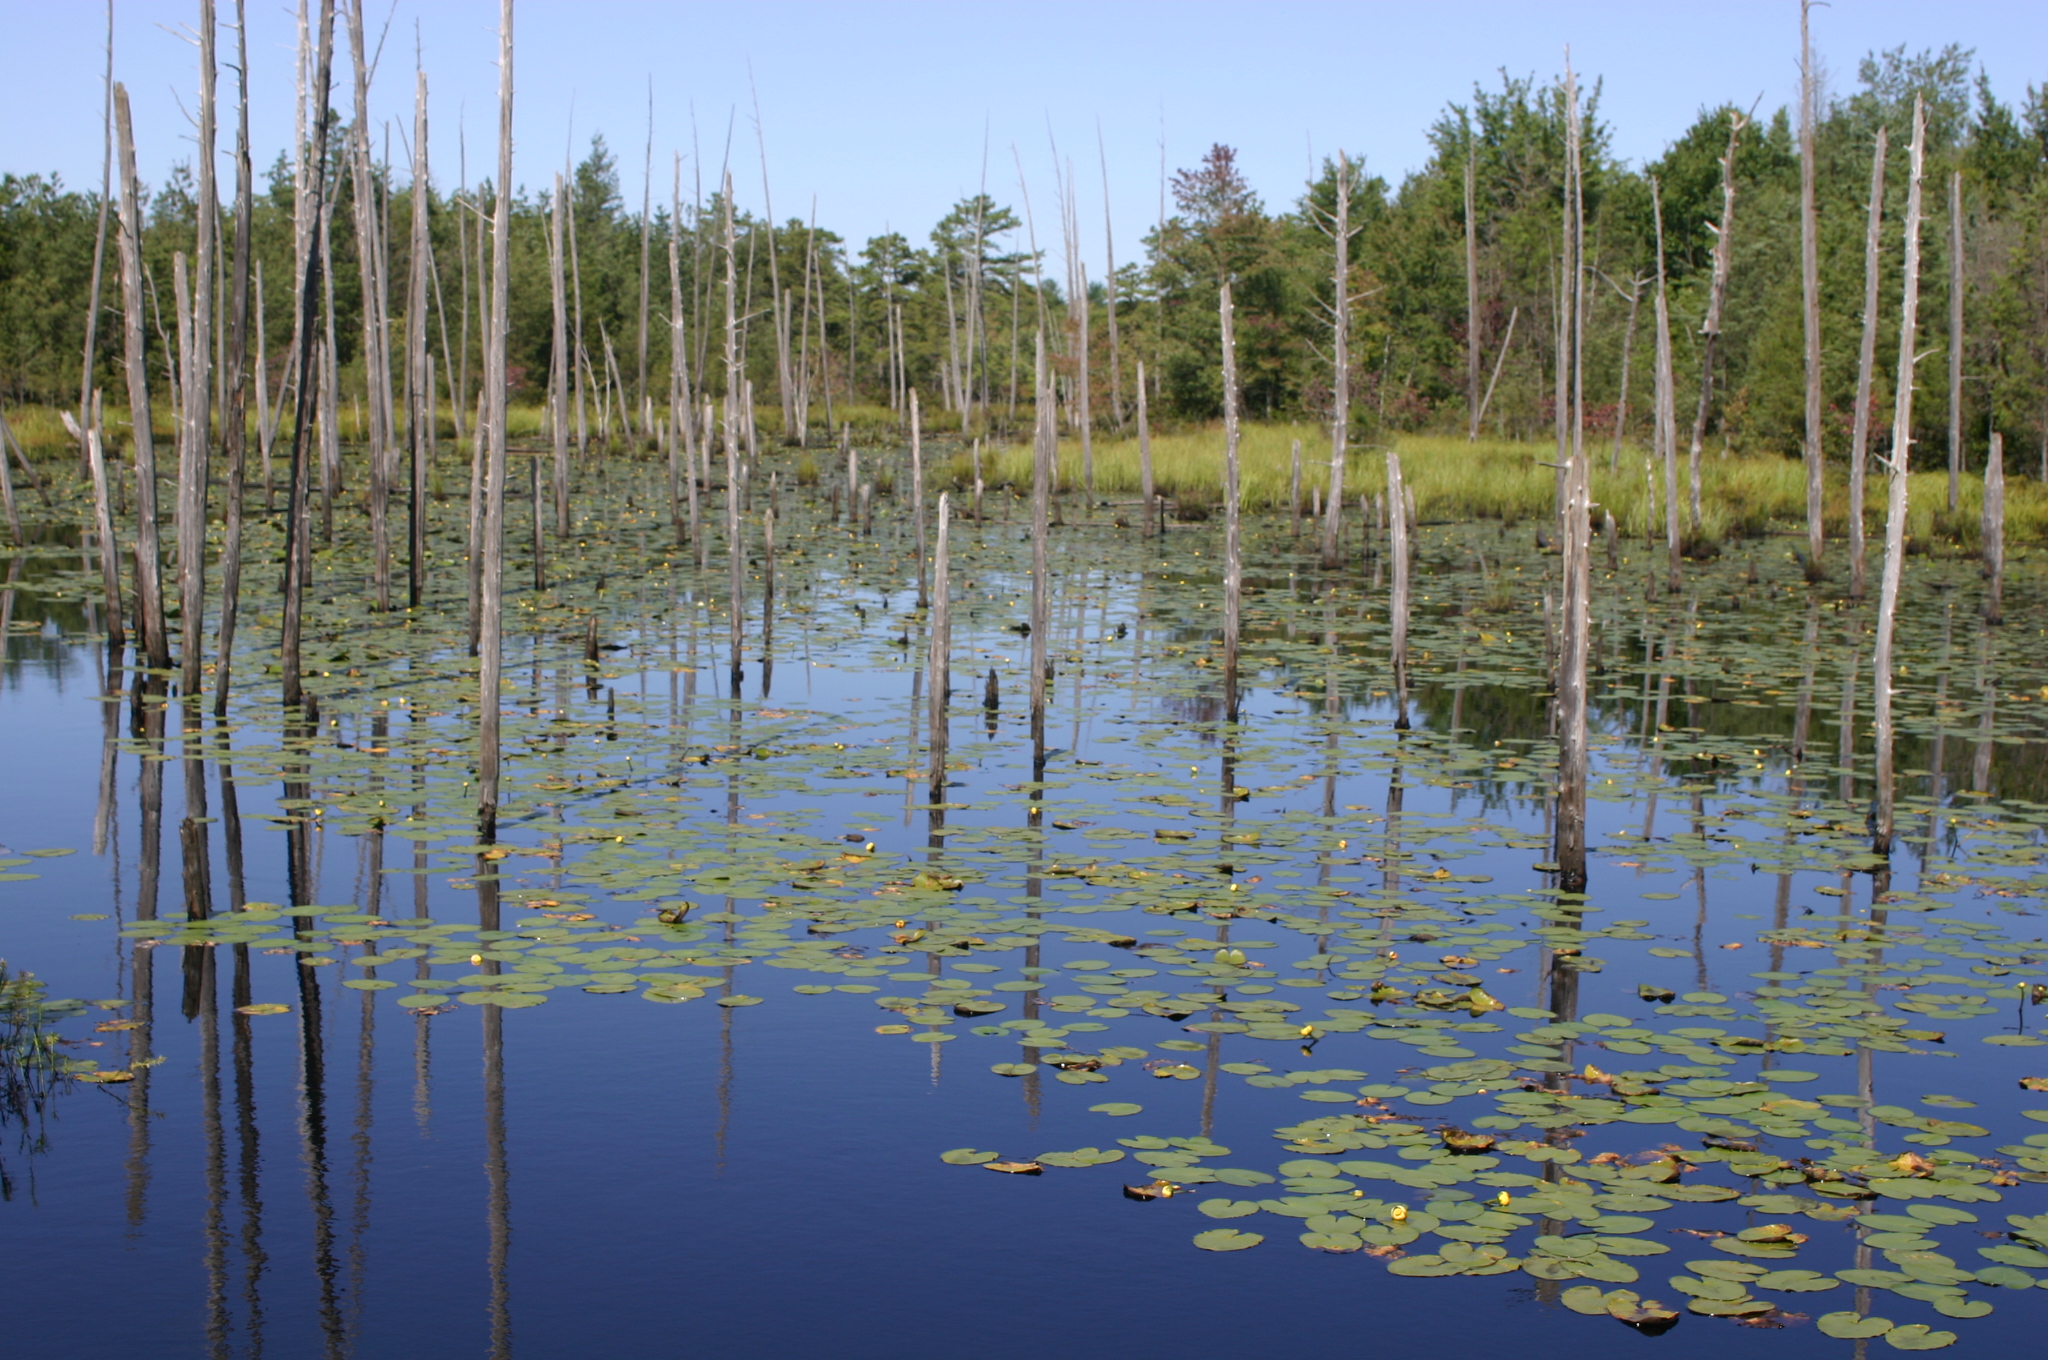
x=888, y=112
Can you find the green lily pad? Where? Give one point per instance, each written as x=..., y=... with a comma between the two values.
x=1918, y=1336
x=1227, y=1239
x=1849, y=1326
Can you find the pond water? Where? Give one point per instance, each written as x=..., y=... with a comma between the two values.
x=305, y=1069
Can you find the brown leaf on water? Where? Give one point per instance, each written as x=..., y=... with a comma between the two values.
x=1155, y=1190
x=110, y=1026
x=1386, y=1250
x=1772, y=1234
x=1650, y=1317
x=1457, y=1140
x=2034, y=1083
x=1014, y=1168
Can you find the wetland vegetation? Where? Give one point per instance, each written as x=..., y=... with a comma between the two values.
x=1353, y=818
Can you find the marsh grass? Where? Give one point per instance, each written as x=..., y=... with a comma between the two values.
x=1742, y=497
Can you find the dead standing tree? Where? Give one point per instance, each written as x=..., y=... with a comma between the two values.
x=1574, y=652
x=1666, y=441
x=319, y=66
x=1717, y=299
x=498, y=331
x=1866, y=363
x=1809, y=288
x=419, y=369
x=1897, y=465
x=196, y=370
x=149, y=616
x=1340, y=231
x=1233, y=565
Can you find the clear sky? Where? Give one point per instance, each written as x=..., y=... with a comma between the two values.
x=889, y=112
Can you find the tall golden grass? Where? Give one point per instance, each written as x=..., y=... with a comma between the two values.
x=1456, y=480
x=1741, y=496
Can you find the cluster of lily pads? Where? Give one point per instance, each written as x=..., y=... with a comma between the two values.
x=1171, y=873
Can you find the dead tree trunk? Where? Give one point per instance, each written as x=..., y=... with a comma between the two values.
x=1896, y=467
x=735, y=393
x=1717, y=298
x=99, y=241
x=917, y=501
x=1993, y=530
x=1576, y=640
x=1471, y=297
x=1955, y=336
x=197, y=371
x=1628, y=344
x=1145, y=457
x=103, y=525
x=491, y=633
x=1233, y=565
x=319, y=65
x=1397, y=608
x=563, y=359
x=419, y=370
x=1340, y=367
x=1866, y=363
x=939, y=659
x=1809, y=288
x=149, y=616
x=682, y=438
x=376, y=358
x=1044, y=437
x=1666, y=442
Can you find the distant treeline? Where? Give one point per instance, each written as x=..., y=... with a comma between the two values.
x=955, y=315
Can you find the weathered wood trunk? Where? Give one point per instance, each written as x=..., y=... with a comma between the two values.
x=318, y=64
x=917, y=501
x=1575, y=640
x=196, y=365
x=419, y=364
x=1666, y=442
x=1896, y=467
x=1866, y=364
x=103, y=526
x=736, y=392
x=1145, y=459
x=1809, y=289
x=154, y=645
x=1472, y=397
x=189, y=512
x=1044, y=437
x=1993, y=530
x=1955, y=337
x=1294, y=487
x=1717, y=299
x=1233, y=565
x=498, y=329
x=1340, y=369
x=1397, y=607
x=1628, y=345
x=562, y=359
x=376, y=328
x=939, y=661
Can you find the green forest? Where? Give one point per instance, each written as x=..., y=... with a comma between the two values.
x=953, y=315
